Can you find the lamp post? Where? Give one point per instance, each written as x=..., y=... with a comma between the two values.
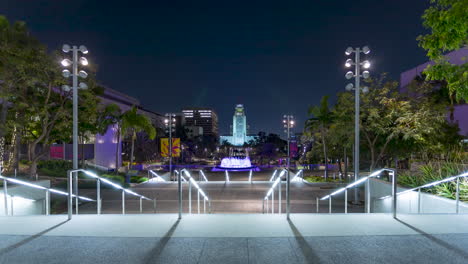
x=170, y=123
x=288, y=124
x=75, y=86
x=356, y=87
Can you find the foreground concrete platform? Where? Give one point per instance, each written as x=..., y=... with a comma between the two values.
x=307, y=238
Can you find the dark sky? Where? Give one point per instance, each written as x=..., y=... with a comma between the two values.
x=275, y=57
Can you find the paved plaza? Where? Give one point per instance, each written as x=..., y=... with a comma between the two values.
x=236, y=196
x=307, y=238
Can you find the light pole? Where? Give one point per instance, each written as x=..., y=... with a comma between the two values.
x=356, y=87
x=170, y=123
x=288, y=124
x=75, y=86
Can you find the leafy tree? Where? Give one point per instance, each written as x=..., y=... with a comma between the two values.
x=448, y=22
x=319, y=126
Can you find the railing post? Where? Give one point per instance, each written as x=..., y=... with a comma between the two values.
x=98, y=196
x=47, y=202
x=419, y=200
x=198, y=201
x=273, y=201
x=346, y=201
x=190, y=196
x=267, y=205
x=368, y=196
x=317, y=201
x=141, y=205
x=123, y=202
x=5, y=194
x=457, y=196
x=329, y=205
x=279, y=196
x=70, y=198
x=154, y=205
x=263, y=206
x=394, y=194
x=76, y=193
x=209, y=206
x=11, y=210
x=204, y=205
x=179, y=189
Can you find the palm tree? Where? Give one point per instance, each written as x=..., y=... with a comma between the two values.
x=320, y=124
x=132, y=122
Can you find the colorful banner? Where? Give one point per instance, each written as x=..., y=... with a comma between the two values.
x=175, y=147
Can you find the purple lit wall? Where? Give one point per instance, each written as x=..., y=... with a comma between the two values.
x=105, y=148
x=461, y=111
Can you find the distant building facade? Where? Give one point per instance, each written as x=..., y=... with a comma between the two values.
x=206, y=118
x=238, y=135
x=460, y=114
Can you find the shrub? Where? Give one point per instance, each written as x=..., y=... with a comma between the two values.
x=138, y=179
x=319, y=179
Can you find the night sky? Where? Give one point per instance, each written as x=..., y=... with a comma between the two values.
x=275, y=57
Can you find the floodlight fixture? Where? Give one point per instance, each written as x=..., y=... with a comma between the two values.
x=66, y=62
x=83, y=61
x=83, y=74
x=349, y=50
x=349, y=75
x=365, y=50
x=83, y=49
x=66, y=73
x=66, y=48
x=366, y=64
x=349, y=63
x=365, y=74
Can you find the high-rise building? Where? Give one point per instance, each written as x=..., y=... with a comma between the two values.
x=239, y=128
x=202, y=117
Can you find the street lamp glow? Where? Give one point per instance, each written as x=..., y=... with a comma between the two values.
x=348, y=63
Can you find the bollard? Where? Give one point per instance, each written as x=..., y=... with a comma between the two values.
x=329, y=205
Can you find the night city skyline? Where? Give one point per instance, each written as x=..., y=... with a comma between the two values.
x=214, y=54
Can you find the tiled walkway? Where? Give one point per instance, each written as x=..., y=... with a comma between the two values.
x=354, y=238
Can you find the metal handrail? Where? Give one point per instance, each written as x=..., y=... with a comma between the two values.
x=158, y=177
x=201, y=173
x=356, y=183
x=296, y=176
x=273, y=175
x=271, y=192
x=191, y=182
x=98, y=192
x=32, y=185
x=431, y=184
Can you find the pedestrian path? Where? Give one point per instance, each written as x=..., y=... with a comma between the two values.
x=255, y=238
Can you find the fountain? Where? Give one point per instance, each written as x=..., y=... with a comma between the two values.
x=236, y=164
